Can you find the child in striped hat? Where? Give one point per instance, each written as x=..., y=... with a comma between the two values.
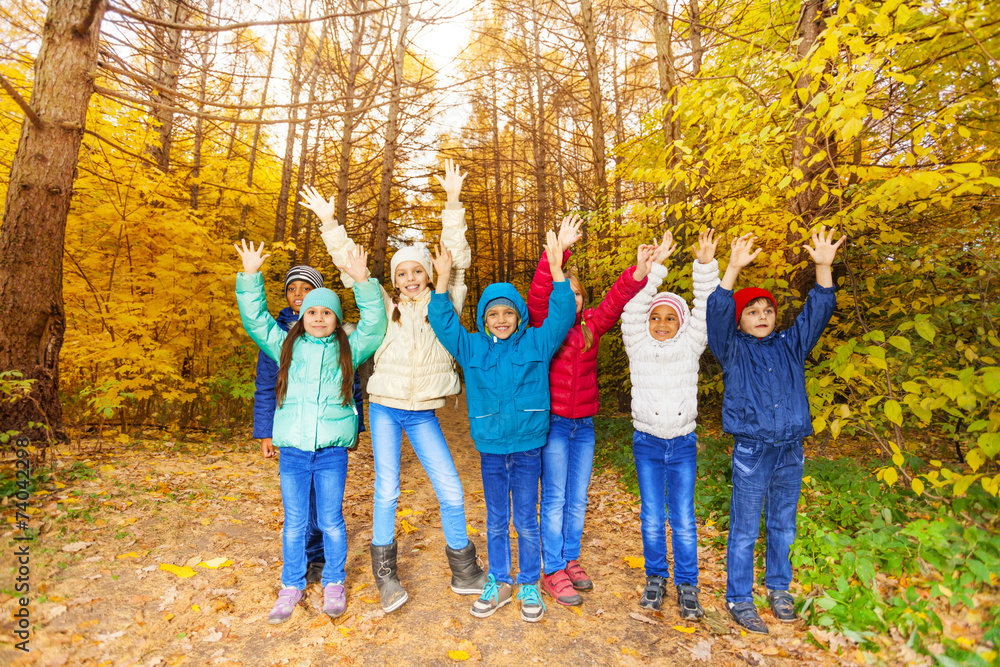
x=664, y=341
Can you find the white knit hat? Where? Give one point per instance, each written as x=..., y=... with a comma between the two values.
x=413, y=253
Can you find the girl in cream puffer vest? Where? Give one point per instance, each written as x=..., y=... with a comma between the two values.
x=413, y=375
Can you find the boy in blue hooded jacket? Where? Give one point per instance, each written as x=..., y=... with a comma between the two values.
x=506, y=369
x=766, y=409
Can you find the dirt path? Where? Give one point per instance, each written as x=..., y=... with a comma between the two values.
x=103, y=598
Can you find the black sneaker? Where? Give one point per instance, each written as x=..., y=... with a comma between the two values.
x=687, y=602
x=652, y=597
x=783, y=606
x=745, y=614
x=314, y=572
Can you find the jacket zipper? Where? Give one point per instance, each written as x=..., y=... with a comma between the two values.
x=319, y=391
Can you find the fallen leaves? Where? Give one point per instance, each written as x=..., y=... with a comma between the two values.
x=702, y=651
x=73, y=547
x=216, y=563
x=458, y=655
x=634, y=562
x=685, y=629
x=184, y=572
x=642, y=617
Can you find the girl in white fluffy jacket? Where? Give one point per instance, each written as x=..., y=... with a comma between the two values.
x=413, y=375
x=664, y=341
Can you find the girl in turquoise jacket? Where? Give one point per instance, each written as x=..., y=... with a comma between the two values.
x=316, y=419
x=506, y=369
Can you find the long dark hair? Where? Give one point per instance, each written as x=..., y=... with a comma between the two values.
x=346, y=364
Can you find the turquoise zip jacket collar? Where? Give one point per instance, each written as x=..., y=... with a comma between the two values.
x=506, y=381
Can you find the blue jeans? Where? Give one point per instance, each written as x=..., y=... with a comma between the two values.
x=567, y=461
x=324, y=471
x=771, y=476
x=314, y=539
x=424, y=432
x=507, y=478
x=668, y=468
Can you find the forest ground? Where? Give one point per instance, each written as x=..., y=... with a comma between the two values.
x=111, y=518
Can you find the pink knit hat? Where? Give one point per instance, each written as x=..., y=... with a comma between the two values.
x=672, y=300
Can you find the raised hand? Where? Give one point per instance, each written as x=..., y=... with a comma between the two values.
x=315, y=202
x=704, y=249
x=554, y=252
x=666, y=248
x=823, y=251
x=357, y=267
x=442, y=262
x=742, y=252
x=452, y=181
x=569, y=231
x=643, y=261
x=252, y=258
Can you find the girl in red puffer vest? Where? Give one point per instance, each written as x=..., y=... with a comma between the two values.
x=568, y=456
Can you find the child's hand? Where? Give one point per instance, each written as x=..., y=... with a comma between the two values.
x=824, y=251
x=666, y=248
x=740, y=251
x=358, y=267
x=643, y=261
x=252, y=258
x=704, y=249
x=452, y=181
x=267, y=448
x=554, y=253
x=315, y=202
x=442, y=263
x=569, y=231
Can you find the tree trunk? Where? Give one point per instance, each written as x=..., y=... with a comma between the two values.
x=167, y=65
x=349, y=120
x=596, y=112
x=538, y=134
x=256, y=133
x=38, y=200
x=304, y=148
x=199, y=123
x=497, y=183
x=281, y=215
x=381, y=231
x=666, y=68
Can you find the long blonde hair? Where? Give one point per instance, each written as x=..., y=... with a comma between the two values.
x=588, y=335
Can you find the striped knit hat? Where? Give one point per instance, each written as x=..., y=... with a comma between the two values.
x=672, y=300
x=304, y=273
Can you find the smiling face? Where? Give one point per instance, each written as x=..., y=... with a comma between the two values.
x=758, y=318
x=319, y=321
x=663, y=323
x=501, y=321
x=295, y=292
x=411, y=278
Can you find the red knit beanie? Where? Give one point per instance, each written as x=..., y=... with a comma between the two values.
x=748, y=294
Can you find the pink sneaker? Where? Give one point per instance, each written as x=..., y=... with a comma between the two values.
x=334, y=600
x=559, y=587
x=581, y=581
x=283, y=608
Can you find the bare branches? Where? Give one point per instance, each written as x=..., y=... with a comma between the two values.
x=21, y=102
x=194, y=27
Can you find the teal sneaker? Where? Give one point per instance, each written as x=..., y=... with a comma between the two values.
x=532, y=607
x=494, y=596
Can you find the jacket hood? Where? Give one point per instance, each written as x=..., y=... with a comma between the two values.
x=286, y=318
x=685, y=321
x=506, y=291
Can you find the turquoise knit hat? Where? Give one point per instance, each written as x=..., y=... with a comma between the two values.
x=324, y=297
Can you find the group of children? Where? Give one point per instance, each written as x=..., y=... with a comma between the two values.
x=531, y=388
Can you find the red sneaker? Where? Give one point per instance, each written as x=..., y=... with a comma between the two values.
x=560, y=588
x=578, y=577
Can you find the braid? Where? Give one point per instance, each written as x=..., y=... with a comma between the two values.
x=395, y=302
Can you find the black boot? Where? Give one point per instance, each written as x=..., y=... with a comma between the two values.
x=467, y=577
x=384, y=568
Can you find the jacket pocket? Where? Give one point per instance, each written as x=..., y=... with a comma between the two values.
x=485, y=421
x=532, y=413
x=747, y=458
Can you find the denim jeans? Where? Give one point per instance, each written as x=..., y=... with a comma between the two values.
x=314, y=536
x=424, y=431
x=768, y=476
x=507, y=478
x=324, y=471
x=668, y=468
x=567, y=461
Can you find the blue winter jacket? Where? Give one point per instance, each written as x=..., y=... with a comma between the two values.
x=506, y=381
x=765, y=380
x=264, y=400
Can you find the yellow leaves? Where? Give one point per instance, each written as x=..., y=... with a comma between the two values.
x=634, y=562
x=458, y=655
x=108, y=468
x=184, y=572
x=216, y=563
x=407, y=526
x=404, y=512
x=470, y=530
x=894, y=413
x=229, y=499
x=205, y=521
x=685, y=629
x=917, y=486
x=130, y=554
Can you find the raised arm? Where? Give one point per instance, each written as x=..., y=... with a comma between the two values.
x=334, y=235
x=822, y=299
x=453, y=230
x=541, y=282
x=562, y=303
x=611, y=306
x=252, y=301
x=635, y=316
x=370, y=331
x=705, y=278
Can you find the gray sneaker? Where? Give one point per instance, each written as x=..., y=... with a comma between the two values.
x=494, y=596
x=334, y=600
x=532, y=607
x=283, y=608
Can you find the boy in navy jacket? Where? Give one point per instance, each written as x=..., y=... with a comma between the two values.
x=766, y=410
x=506, y=368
